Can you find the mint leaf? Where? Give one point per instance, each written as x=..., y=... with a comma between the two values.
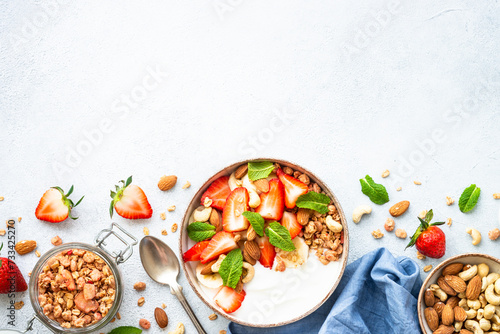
x=280, y=237
x=256, y=221
x=126, y=330
x=231, y=268
x=259, y=169
x=376, y=192
x=199, y=231
x=315, y=201
x=469, y=198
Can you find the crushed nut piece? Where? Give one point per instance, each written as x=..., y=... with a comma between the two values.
x=19, y=219
x=163, y=305
x=417, y=183
x=141, y=301
x=37, y=253
x=400, y=233
x=145, y=231
x=139, y=286
x=164, y=232
x=118, y=316
x=163, y=216
x=186, y=185
x=496, y=195
x=174, y=228
x=212, y=316
x=56, y=241
x=113, y=320
x=422, y=214
x=494, y=234
x=448, y=221
x=389, y=225
x=420, y=256
x=398, y=189
x=377, y=234
x=427, y=268
x=171, y=208
x=19, y=305
x=207, y=202
x=2, y=232
x=449, y=200
x=386, y=173
x=222, y=331
x=1, y=198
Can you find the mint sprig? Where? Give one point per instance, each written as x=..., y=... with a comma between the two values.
x=126, y=330
x=259, y=169
x=376, y=192
x=469, y=198
x=231, y=268
x=315, y=201
x=280, y=237
x=256, y=221
x=199, y=231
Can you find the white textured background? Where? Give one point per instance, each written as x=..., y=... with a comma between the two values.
x=342, y=88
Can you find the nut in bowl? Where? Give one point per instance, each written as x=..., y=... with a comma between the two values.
x=264, y=242
x=462, y=294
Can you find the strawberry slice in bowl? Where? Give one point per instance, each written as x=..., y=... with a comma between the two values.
x=272, y=203
x=218, y=192
x=232, y=215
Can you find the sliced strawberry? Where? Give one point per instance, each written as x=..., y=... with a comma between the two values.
x=194, y=253
x=55, y=206
x=221, y=243
x=228, y=299
x=217, y=192
x=130, y=202
x=272, y=203
x=267, y=252
x=293, y=188
x=236, y=204
x=289, y=220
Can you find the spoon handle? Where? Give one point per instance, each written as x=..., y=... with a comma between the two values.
x=177, y=291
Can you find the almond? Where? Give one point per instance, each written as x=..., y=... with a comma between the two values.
x=262, y=185
x=465, y=331
x=239, y=287
x=429, y=298
x=248, y=258
x=443, y=329
x=432, y=318
x=161, y=317
x=399, y=208
x=303, y=216
x=25, y=246
x=251, y=234
x=241, y=171
x=439, y=306
x=167, y=182
x=445, y=287
x=453, y=301
x=215, y=220
x=460, y=314
x=207, y=269
x=252, y=249
x=456, y=283
x=473, y=288
x=448, y=316
x=452, y=269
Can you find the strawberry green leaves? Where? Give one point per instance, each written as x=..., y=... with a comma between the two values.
x=231, y=268
x=469, y=198
x=315, y=201
x=280, y=237
x=424, y=225
x=199, y=231
x=259, y=169
x=256, y=221
x=376, y=192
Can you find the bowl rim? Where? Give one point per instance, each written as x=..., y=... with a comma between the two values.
x=325, y=188
x=421, y=319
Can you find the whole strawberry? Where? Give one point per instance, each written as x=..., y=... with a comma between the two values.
x=11, y=278
x=429, y=238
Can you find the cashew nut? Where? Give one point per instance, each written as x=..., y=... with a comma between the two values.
x=489, y=311
x=458, y=326
x=474, y=304
x=491, y=296
x=202, y=214
x=495, y=319
x=438, y=292
x=475, y=234
x=250, y=272
x=497, y=312
x=483, y=300
x=497, y=286
x=483, y=270
x=233, y=182
x=462, y=295
x=484, y=324
x=495, y=327
x=216, y=266
x=359, y=212
x=480, y=314
x=336, y=227
x=468, y=274
x=473, y=326
x=471, y=313
x=491, y=278
x=247, y=183
x=179, y=329
x=463, y=304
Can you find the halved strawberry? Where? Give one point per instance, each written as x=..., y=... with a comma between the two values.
x=267, y=252
x=272, y=203
x=293, y=188
x=236, y=204
x=228, y=299
x=289, y=220
x=55, y=206
x=194, y=253
x=11, y=279
x=217, y=192
x=130, y=202
x=220, y=243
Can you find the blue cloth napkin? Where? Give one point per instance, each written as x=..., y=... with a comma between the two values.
x=377, y=294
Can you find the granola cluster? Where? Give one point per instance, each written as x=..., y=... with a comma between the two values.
x=76, y=288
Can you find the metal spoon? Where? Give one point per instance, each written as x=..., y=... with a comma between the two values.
x=162, y=266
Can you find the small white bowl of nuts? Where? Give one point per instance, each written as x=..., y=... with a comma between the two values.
x=461, y=295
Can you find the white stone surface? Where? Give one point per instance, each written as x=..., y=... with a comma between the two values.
x=343, y=88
